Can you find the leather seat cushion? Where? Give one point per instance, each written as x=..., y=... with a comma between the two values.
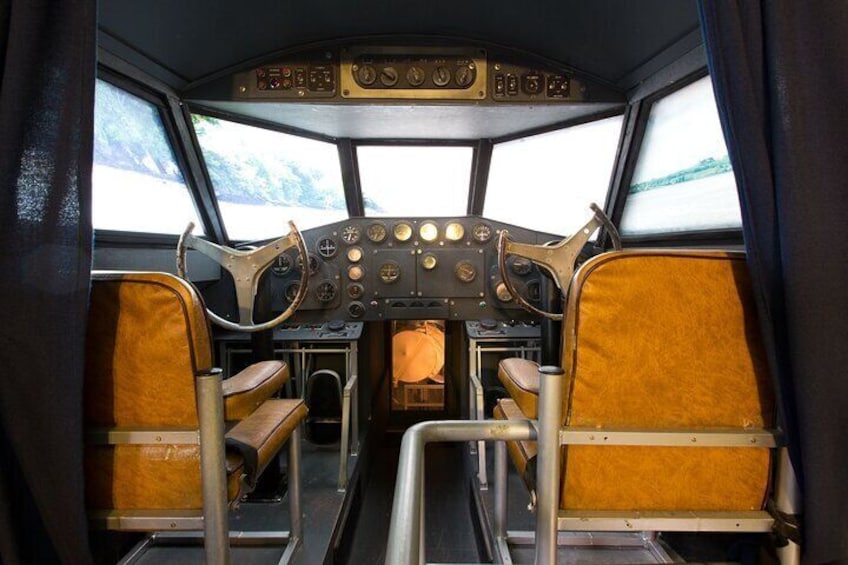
x=519, y=451
x=520, y=377
x=142, y=477
x=244, y=392
x=260, y=436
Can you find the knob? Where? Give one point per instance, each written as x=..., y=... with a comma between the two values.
x=366, y=75
x=464, y=76
x=388, y=76
x=415, y=76
x=441, y=76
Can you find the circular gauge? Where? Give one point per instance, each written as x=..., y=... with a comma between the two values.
x=326, y=292
x=428, y=231
x=356, y=309
x=415, y=76
x=327, y=248
x=389, y=272
x=366, y=75
x=429, y=262
x=377, y=232
x=351, y=234
x=354, y=254
x=465, y=271
x=503, y=293
x=441, y=76
x=291, y=291
x=282, y=265
x=521, y=266
x=402, y=231
x=355, y=290
x=481, y=233
x=355, y=273
x=454, y=231
x=313, y=264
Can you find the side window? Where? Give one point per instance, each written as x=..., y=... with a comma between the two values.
x=263, y=178
x=683, y=180
x=137, y=185
x=546, y=182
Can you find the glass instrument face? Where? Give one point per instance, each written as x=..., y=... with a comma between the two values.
x=389, y=272
x=402, y=231
x=351, y=234
x=355, y=273
x=291, y=291
x=429, y=262
x=465, y=271
x=282, y=265
x=428, y=232
x=482, y=233
x=354, y=254
x=377, y=232
x=454, y=231
x=521, y=266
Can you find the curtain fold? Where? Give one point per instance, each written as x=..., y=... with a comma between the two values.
x=47, y=75
x=779, y=74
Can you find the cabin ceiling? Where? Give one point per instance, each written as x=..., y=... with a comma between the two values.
x=194, y=39
x=193, y=45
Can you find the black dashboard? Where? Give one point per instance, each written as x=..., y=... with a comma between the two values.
x=402, y=268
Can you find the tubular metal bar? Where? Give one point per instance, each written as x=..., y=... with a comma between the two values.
x=210, y=412
x=501, y=471
x=547, y=470
x=787, y=501
x=405, y=537
x=294, y=471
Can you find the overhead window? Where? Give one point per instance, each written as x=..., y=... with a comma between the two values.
x=414, y=180
x=683, y=180
x=137, y=185
x=546, y=182
x=264, y=178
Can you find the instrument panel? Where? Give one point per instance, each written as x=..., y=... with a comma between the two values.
x=405, y=268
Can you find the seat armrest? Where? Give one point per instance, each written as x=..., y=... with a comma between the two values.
x=245, y=391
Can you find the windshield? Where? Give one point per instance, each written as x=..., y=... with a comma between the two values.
x=546, y=182
x=415, y=180
x=264, y=178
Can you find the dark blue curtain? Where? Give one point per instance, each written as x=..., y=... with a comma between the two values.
x=780, y=72
x=47, y=70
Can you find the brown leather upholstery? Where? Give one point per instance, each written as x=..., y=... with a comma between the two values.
x=520, y=451
x=664, y=340
x=520, y=377
x=261, y=435
x=148, y=339
x=133, y=319
x=244, y=392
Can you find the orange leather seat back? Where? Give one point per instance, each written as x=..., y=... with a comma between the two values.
x=147, y=338
x=664, y=340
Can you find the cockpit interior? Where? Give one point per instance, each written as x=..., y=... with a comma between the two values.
x=380, y=282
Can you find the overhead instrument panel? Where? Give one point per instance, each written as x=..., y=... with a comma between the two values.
x=433, y=73
x=405, y=268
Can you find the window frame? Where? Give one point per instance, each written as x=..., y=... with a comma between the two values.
x=120, y=238
x=725, y=237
